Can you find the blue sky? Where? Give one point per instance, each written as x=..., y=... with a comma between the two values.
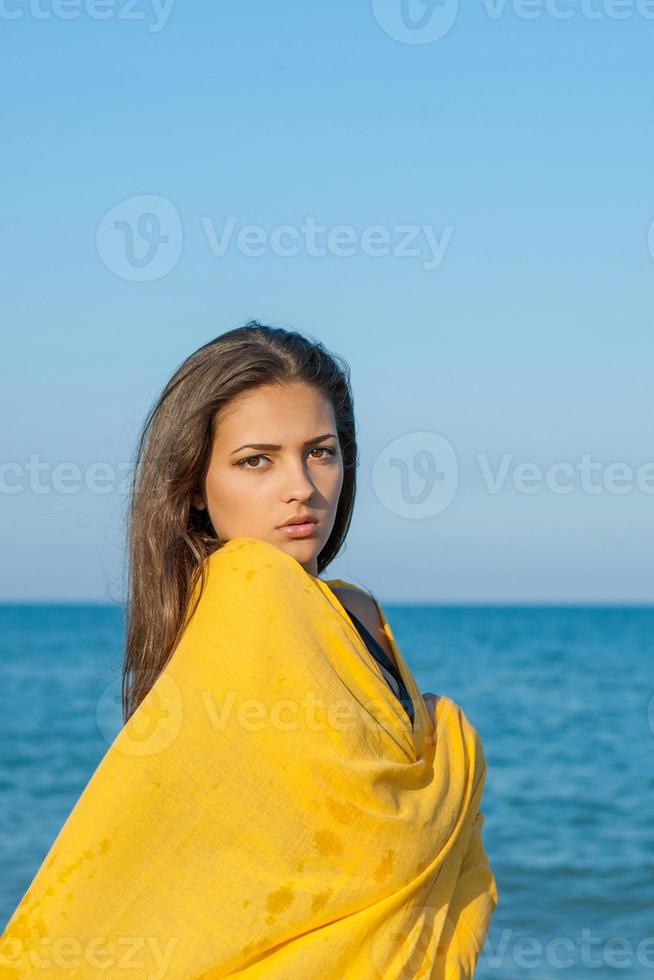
x=511, y=157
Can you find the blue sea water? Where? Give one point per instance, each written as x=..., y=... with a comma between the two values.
x=563, y=699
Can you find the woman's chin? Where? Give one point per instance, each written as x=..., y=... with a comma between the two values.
x=302, y=546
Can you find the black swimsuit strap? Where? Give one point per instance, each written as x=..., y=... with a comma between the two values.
x=382, y=657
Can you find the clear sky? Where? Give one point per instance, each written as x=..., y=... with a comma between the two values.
x=482, y=176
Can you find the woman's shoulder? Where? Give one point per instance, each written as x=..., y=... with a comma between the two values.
x=355, y=598
x=365, y=607
x=342, y=585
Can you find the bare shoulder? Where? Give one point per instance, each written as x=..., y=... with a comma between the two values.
x=364, y=607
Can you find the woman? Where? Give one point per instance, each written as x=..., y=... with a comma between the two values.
x=281, y=802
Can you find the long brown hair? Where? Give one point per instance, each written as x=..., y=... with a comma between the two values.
x=168, y=539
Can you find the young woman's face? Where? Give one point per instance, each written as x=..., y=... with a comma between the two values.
x=252, y=491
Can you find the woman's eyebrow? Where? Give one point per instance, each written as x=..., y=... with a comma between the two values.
x=271, y=446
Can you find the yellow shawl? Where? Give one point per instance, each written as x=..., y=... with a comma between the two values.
x=268, y=811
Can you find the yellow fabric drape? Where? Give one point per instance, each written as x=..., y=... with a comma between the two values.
x=268, y=811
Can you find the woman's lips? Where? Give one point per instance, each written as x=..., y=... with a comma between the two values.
x=307, y=530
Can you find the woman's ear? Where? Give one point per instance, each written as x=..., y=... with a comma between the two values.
x=197, y=501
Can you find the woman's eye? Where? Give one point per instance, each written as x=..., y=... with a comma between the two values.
x=323, y=449
x=247, y=459
x=243, y=463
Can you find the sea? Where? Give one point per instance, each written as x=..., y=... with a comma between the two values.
x=562, y=697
